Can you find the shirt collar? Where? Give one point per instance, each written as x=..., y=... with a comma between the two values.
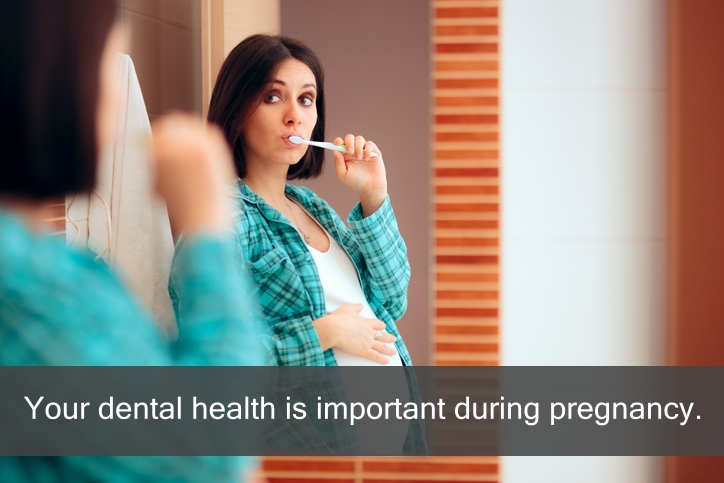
x=270, y=213
x=247, y=194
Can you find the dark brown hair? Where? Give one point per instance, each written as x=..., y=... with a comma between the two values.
x=246, y=73
x=49, y=85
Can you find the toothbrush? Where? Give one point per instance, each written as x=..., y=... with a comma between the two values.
x=330, y=146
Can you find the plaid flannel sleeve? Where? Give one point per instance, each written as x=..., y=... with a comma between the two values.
x=295, y=343
x=212, y=297
x=62, y=308
x=385, y=254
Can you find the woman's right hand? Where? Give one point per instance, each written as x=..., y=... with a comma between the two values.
x=347, y=330
x=193, y=166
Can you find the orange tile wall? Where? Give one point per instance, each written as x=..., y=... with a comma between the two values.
x=466, y=162
x=466, y=232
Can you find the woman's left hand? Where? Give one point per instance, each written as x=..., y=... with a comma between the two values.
x=364, y=174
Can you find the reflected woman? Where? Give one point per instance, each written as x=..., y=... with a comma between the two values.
x=331, y=294
x=58, y=109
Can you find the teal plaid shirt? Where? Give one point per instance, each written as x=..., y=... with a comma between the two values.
x=290, y=293
x=287, y=284
x=59, y=307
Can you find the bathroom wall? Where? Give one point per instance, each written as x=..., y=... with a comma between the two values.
x=583, y=199
x=166, y=51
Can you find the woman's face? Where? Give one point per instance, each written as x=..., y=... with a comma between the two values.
x=288, y=108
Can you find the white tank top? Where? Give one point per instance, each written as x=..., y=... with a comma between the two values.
x=341, y=286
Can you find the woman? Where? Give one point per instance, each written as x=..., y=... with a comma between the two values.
x=330, y=294
x=59, y=307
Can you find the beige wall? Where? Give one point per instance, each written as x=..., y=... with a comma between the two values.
x=166, y=51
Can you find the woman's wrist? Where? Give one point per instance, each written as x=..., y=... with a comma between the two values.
x=372, y=202
x=326, y=332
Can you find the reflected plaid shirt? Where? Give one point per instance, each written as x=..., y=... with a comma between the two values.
x=59, y=307
x=286, y=278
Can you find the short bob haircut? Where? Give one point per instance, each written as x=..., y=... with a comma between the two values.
x=49, y=87
x=244, y=77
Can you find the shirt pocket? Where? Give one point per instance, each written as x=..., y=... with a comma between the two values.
x=278, y=287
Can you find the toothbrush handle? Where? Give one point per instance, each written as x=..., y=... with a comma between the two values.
x=332, y=147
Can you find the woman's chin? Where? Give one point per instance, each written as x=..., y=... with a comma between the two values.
x=290, y=160
x=287, y=158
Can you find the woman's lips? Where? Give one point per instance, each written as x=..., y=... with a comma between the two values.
x=285, y=138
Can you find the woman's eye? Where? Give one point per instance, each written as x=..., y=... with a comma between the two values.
x=272, y=98
x=306, y=101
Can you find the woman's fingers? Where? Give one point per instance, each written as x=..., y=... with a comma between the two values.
x=379, y=327
x=383, y=348
x=384, y=336
x=356, y=146
x=370, y=148
x=359, y=146
x=375, y=356
x=387, y=338
x=349, y=143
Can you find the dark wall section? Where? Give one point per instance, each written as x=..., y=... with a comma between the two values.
x=376, y=56
x=696, y=197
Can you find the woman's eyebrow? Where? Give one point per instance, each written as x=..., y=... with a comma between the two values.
x=277, y=81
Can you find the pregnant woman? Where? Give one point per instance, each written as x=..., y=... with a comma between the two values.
x=330, y=294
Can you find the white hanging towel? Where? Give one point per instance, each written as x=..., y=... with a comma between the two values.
x=123, y=221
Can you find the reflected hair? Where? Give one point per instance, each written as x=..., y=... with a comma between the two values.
x=245, y=76
x=49, y=88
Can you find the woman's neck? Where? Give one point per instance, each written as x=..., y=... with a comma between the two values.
x=270, y=186
x=32, y=212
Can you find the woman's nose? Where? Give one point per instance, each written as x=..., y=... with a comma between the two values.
x=292, y=115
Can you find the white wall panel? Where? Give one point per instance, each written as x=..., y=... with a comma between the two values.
x=584, y=165
x=584, y=43
x=583, y=200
